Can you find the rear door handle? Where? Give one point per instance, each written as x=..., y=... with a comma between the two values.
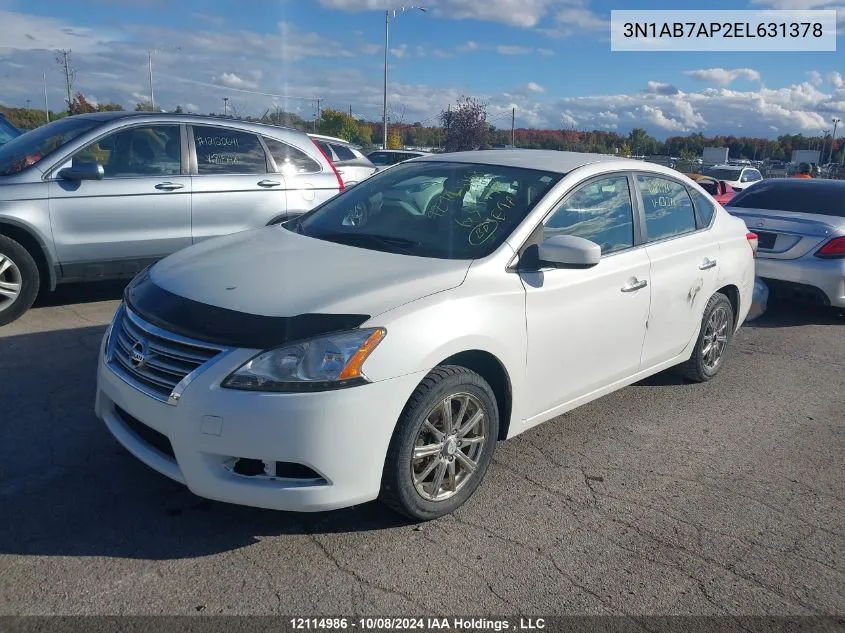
x=269, y=183
x=169, y=186
x=634, y=285
x=707, y=263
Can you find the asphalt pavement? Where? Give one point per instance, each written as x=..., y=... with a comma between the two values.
x=664, y=498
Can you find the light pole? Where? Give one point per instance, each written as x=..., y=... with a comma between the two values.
x=835, y=122
x=387, y=15
x=824, y=142
x=150, y=60
x=225, y=106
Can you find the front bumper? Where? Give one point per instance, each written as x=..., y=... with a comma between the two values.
x=342, y=435
x=826, y=275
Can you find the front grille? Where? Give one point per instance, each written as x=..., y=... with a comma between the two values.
x=151, y=359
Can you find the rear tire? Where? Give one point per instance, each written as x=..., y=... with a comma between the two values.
x=19, y=280
x=443, y=444
x=714, y=339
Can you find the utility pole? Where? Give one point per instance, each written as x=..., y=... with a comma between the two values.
x=225, y=106
x=63, y=59
x=46, y=102
x=835, y=122
x=824, y=142
x=513, y=127
x=152, y=97
x=318, y=115
x=350, y=109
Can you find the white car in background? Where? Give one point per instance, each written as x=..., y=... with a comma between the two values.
x=351, y=165
x=380, y=345
x=738, y=177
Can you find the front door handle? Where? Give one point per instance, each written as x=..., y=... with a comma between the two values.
x=169, y=186
x=707, y=263
x=269, y=183
x=634, y=285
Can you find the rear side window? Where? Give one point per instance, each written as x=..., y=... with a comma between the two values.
x=226, y=151
x=381, y=159
x=704, y=208
x=668, y=208
x=801, y=196
x=343, y=153
x=291, y=160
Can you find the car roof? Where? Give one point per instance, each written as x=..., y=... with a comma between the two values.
x=545, y=160
x=403, y=151
x=198, y=119
x=332, y=139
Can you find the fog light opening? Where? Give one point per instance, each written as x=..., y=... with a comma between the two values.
x=248, y=467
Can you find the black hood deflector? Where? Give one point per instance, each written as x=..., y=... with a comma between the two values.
x=222, y=326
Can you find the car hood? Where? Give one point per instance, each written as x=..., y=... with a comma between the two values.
x=275, y=272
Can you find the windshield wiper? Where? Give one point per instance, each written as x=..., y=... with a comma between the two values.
x=401, y=243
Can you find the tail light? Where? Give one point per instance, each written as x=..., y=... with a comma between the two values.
x=752, y=242
x=834, y=249
x=340, y=184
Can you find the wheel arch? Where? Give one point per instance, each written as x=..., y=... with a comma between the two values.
x=491, y=369
x=732, y=293
x=29, y=239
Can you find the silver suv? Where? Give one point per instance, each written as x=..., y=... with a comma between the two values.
x=101, y=196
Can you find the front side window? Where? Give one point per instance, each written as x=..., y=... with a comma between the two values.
x=342, y=152
x=226, y=151
x=290, y=160
x=150, y=150
x=30, y=148
x=430, y=209
x=668, y=208
x=599, y=211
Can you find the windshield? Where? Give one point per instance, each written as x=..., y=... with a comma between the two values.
x=7, y=131
x=445, y=210
x=723, y=174
x=28, y=149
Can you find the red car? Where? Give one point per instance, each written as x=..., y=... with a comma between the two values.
x=721, y=191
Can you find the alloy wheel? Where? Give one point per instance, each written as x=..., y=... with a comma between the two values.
x=448, y=446
x=715, y=338
x=11, y=282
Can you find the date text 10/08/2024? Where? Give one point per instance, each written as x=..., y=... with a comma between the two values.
x=417, y=623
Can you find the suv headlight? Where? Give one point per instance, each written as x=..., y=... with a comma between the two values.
x=328, y=362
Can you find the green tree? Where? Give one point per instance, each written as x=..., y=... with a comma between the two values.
x=144, y=106
x=80, y=105
x=336, y=123
x=625, y=150
x=364, y=136
x=178, y=110
x=109, y=107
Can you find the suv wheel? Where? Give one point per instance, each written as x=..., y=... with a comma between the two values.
x=19, y=280
x=442, y=445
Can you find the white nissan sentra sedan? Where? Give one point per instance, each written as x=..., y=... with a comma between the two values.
x=379, y=345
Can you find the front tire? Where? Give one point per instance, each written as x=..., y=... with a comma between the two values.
x=19, y=280
x=442, y=445
x=714, y=339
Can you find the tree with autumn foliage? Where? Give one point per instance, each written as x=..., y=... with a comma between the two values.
x=465, y=125
x=394, y=140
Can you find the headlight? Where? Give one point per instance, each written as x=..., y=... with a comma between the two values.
x=328, y=362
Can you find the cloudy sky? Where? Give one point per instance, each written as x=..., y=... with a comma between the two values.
x=551, y=59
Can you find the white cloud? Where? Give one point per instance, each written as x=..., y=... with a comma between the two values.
x=468, y=47
x=723, y=76
x=545, y=52
x=512, y=50
x=234, y=81
x=836, y=80
x=20, y=31
x=815, y=78
x=659, y=88
x=400, y=51
x=535, y=87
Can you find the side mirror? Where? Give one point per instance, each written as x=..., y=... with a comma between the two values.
x=562, y=251
x=83, y=171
